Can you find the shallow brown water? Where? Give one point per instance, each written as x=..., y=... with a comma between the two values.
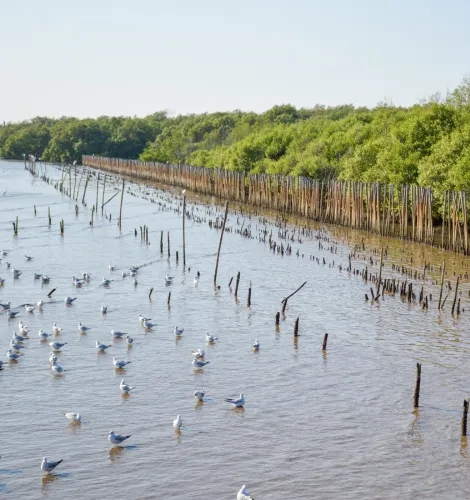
x=316, y=425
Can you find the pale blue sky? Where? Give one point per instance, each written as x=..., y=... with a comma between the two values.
x=135, y=57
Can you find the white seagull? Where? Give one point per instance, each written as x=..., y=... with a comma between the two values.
x=237, y=403
x=101, y=347
x=75, y=418
x=197, y=363
x=18, y=338
x=82, y=328
x=243, y=494
x=104, y=309
x=49, y=466
x=119, y=363
x=106, y=282
x=178, y=331
x=148, y=325
x=57, y=345
x=69, y=300
x=256, y=345
x=13, y=356
x=125, y=388
x=40, y=304
x=210, y=338
x=14, y=345
x=56, y=329
x=43, y=335
x=117, y=334
x=29, y=308
x=112, y=267
x=57, y=368
x=52, y=358
x=28, y=257
x=177, y=423
x=198, y=353
x=199, y=395
x=116, y=438
x=129, y=340
x=169, y=279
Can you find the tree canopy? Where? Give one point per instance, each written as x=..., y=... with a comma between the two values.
x=426, y=144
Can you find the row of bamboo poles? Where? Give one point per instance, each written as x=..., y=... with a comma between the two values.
x=402, y=211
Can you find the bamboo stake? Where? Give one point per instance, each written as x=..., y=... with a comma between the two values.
x=442, y=284
x=455, y=296
x=418, y=385
x=464, y=417
x=120, y=209
x=220, y=243
x=102, y=196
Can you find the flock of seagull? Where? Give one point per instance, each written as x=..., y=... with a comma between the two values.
x=17, y=345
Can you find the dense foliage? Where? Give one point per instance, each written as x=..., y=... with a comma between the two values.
x=428, y=144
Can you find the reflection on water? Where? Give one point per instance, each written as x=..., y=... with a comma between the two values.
x=344, y=417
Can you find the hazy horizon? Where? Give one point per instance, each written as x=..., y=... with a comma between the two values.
x=117, y=59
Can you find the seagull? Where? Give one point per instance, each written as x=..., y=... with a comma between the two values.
x=28, y=257
x=40, y=304
x=77, y=282
x=49, y=466
x=12, y=314
x=133, y=272
x=124, y=274
x=18, y=338
x=6, y=306
x=13, y=356
x=256, y=345
x=135, y=282
x=199, y=395
x=101, y=347
x=143, y=318
x=73, y=417
x=198, y=353
x=112, y=267
x=133, y=269
x=52, y=358
x=16, y=273
x=69, y=300
x=106, y=282
x=43, y=334
x=116, y=438
x=210, y=338
x=197, y=363
x=148, y=325
x=4, y=253
x=125, y=387
x=37, y=276
x=117, y=334
x=45, y=279
x=196, y=280
x=8, y=265
x=57, y=368
x=169, y=279
x=243, y=494
x=86, y=275
x=129, y=340
x=57, y=345
x=82, y=328
x=104, y=309
x=2, y=281
x=178, y=331
x=56, y=329
x=14, y=345
x=237, y=403
x=177, y=423
x=120, y=363
x=30, y=309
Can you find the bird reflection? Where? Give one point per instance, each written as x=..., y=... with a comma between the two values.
x=47, y=479
x=115, y=453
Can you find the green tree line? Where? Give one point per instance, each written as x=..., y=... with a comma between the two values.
x=426, y=144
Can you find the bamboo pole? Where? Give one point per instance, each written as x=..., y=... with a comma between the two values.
x=220, y=243
x=442, y=284
x=120, y=209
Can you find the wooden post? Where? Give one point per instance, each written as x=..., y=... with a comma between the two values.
x=49, y=215
x=442, y=284
x=418, y=385
x=150, y=293
x=455, y=295
x=296, y=328
x=220, y=243
x=34, y=210
x=236, y=284
x=169, y=298
x=380, y=271
x=464, y=417
x=278, y=316
x=284, y=301
x=120, y=209
x=161, y=242
x=249, y=296
x=102, y=196
x=184, y=240
x=168, y=242
x=325, y=340
x=177, y=256
x=84, y=190
x=16, y=226
x=97, y=187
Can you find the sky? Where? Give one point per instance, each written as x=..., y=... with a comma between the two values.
x=88, y=58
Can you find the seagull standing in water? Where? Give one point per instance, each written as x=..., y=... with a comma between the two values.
x=56, y=329
x=197, y=363
x=210, y=338
x=57, y=369
x=237, y=403
x=57, y=346
x=82, y=328
x=198, y=353
x=199, y=395
x=47, y=466
x=116, y=438
x=256, y=345
x=169, y=279
x=243, y=494
x=178, y=331
x=125, y=388
x=118, y=363
x=75, y=418
x=43, y=335
x=13, y=356
x=69, y=300
x=112, y=267
x=129, y=341
x=104, y=309
x=177, y=423
x=101, y=347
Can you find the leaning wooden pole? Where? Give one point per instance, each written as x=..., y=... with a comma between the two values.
x=455, y=296
x=418, y=385
x=184, y=240
x=379, y=280
x=220, y=243
x=464, y=417
x=120, y=209
x=442, y=284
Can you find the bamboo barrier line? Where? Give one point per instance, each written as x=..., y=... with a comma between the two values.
x=401, y=211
